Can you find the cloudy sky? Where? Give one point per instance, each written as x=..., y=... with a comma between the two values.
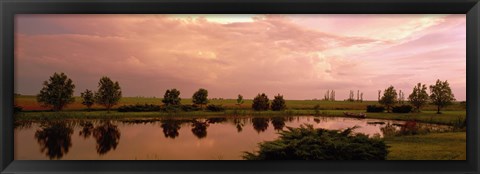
x=299, y=56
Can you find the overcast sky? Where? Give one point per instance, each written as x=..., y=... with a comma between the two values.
x=299, y=56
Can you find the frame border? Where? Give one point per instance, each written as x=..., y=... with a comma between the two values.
x=8, y=9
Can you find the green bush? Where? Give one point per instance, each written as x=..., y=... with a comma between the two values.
x=307, y=143
x=215, y=108
x=278, y=103
x=402, y=109
x=189, y=108
x=375, y=108
x=139, y=108
x=261, y=102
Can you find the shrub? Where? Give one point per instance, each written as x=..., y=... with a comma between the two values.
x=215, y=108
x=409, y=128
x=261, y=102
x=278, y=103
x=402, y=109
x=189, y=108
x=307, y=143
x=139, y=108
x=375, y=108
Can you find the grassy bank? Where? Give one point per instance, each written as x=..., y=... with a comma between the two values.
x=30, y=103
x=438, y=146
x=448, y=117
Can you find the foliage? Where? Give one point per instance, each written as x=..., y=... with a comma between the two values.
x=441, y=95
x=402, y=109
x=171, y=97
x=88, y=98
x=108, y=94
x=375, y=108
x=139, y=108
x=57, y=92
x=389, y=98
x=261, y=102
x=239, y=100
x=278, y=103
x=419, y=96
x=215, y=108
x=307, y=143
x=200, y=97
x=189, y=108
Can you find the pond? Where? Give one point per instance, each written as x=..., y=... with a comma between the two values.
x=220, y=138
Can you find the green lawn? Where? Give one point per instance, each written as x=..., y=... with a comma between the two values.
x=30, y=103
x=435, y=146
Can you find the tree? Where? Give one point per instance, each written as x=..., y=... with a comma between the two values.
x=108, y=94
x=171, y=97
x=261, y=102
x=57, y=92
x=200, y=97
x=419, y=97
x=441, y=95
x=239, y=100
x=389, y=98
x=278, y=103
x=88, y=98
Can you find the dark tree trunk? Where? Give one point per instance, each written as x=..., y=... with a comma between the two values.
x=438, y=110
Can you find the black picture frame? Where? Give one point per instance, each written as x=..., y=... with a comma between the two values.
x=8, y=9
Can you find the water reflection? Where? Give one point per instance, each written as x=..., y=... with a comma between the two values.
x=278, y=123
x=199, y=129
x=260, y=124
x=87, y=128
x=107, y=137
x=55, y=139
x=216, y=120
x=170, y=128
x=238, y=124
x=202, y=138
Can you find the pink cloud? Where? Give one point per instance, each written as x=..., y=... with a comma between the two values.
x=284, y=54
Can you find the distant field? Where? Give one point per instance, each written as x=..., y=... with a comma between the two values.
x=29, y=103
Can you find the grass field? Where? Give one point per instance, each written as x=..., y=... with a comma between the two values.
x=438, y=146
x=30, y=103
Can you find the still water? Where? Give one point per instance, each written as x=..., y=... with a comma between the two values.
x=167, y=139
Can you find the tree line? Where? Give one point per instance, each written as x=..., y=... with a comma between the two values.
x=57, y=93
x=440, y=95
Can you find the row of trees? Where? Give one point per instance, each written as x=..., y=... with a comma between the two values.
x=440, y=95
x=57, y=93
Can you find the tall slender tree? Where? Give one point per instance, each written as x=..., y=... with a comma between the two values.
x=419, y=96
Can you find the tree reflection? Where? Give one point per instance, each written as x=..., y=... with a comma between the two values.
x=278, y=123
x=170, y=128
x=199, y=129
x=260, y=124
x=216, y=120
x=55, y=139
x=87, y=128
x=107, y=136
x=239, y=124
